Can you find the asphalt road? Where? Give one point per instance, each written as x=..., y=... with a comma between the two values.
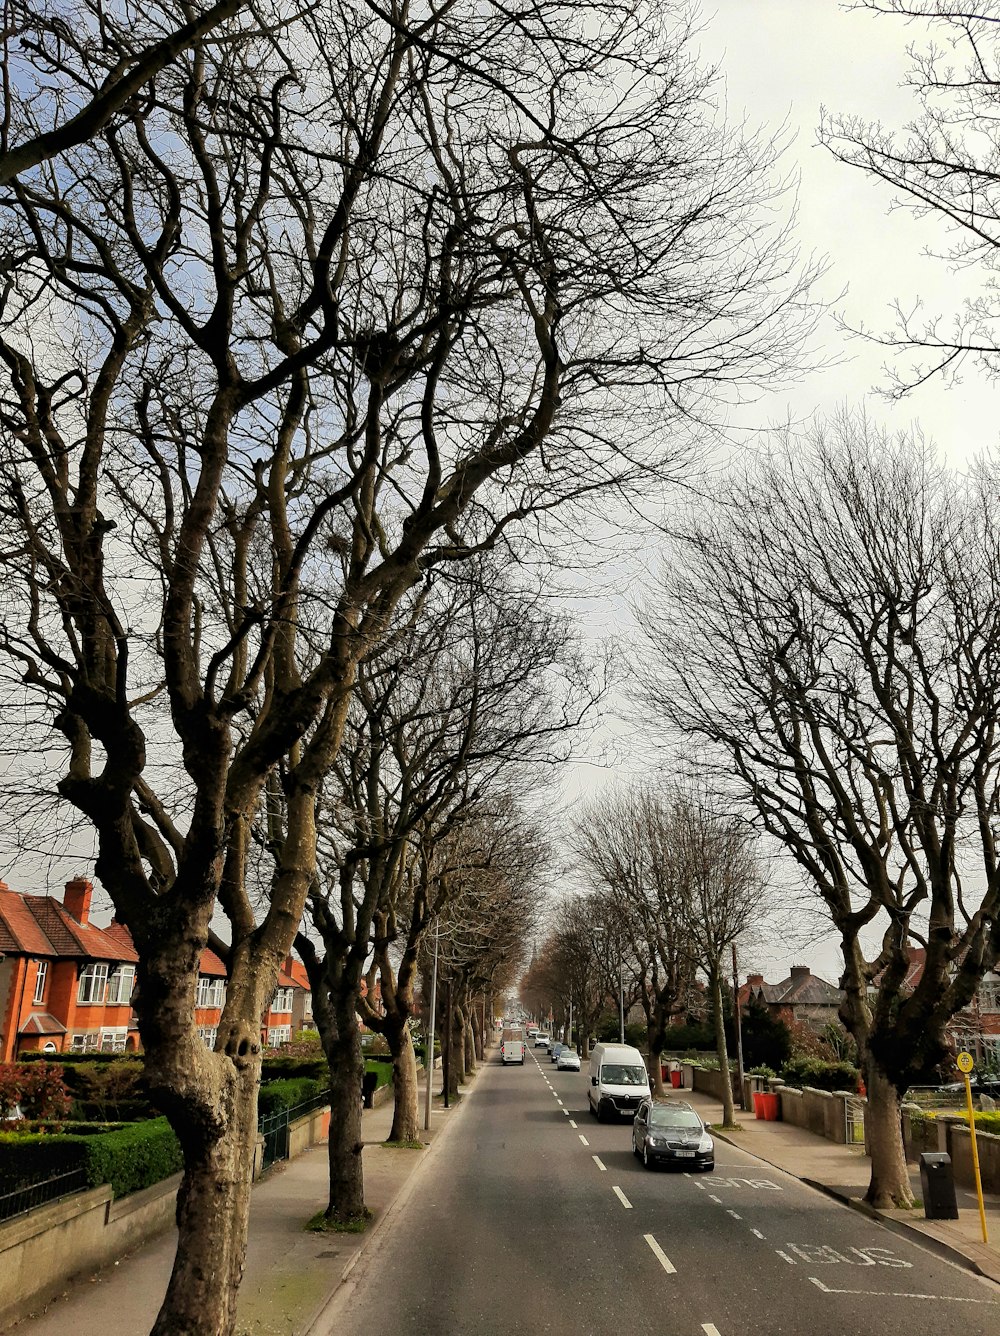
x=534, y=1218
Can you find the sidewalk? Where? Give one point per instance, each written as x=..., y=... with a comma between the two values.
x=291, y=1275
x=843, y=1172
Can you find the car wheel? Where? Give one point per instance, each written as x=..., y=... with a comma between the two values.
x=647, y=1162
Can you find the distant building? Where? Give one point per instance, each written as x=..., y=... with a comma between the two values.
x=802, y=997
x=66, y=985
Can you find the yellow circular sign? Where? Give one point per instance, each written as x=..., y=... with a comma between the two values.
x=965, y=1062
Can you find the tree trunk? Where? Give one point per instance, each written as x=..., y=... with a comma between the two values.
x=346, y=1060
x=405, y=1114
x=654, y=1031
x=728, y=1110
x=890, y=1183
x=470, y=1045
x=456, y=1048
x=477, y=1036
x=213, y=1208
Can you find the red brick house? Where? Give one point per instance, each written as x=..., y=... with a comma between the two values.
x=65, y=984
x=802, y=997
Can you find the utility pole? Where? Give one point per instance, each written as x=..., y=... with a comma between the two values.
x=621, y=996
x=739, y=1030
x=429, y=1061
x=446, y=1046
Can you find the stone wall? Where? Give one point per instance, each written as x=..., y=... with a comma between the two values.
x=41, y=1251
x=952, y=1136
x=819, y=1111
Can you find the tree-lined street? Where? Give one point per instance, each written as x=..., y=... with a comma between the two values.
x=539, y=1219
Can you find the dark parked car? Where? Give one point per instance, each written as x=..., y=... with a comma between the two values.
x=670, y=1132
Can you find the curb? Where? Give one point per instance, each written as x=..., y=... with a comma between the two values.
x=902, y=1228
x=391, y=1211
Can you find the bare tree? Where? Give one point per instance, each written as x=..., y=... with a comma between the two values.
x=622, y=842
x=566, y=968
x=829, y=629
x=945, y=166
x=715, y=893
x=321, y=308
x=478, y=689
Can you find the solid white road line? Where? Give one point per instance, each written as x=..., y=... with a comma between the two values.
x=660, y=1255
x=622, y=1198
x=603, y=1167
x=584, y=1139
x=904, y=1294
x=571, y=1122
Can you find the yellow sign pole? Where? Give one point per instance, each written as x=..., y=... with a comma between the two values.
x=965, y=1063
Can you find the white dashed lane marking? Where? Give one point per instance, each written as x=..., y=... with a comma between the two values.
x=571, y=1122
x=584, y=1139
x=709, y=1329
x=660, y=1255
x=757, y=1233
x=734, y=1215
x=603, y=1167
x=622, y=1198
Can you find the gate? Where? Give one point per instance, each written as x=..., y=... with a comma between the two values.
x=854, y=1121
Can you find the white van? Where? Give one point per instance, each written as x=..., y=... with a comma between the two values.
x=618, y=1081
x=512, y=1047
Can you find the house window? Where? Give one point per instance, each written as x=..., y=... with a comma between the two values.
x=120, y=985
x=211, y=992
x=113, y=1041
x=283, y=1000
x=207, y=1034
x=84, y=1043
x=40, y=977
x=93, y=984
x=989, y=995
x=279, y=1034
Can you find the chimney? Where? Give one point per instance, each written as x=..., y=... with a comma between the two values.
x=800, y=973
x=77, y=899
x=755, y=980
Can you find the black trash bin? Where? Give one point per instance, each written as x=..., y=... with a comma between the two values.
x=938, y=1184
x=369, y=1083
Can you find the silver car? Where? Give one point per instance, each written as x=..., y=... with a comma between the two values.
x=568, y=1061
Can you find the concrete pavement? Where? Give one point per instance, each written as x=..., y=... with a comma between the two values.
x=290, y=1275
x=843, y=1172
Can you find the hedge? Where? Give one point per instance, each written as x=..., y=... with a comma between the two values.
x=129, y=1159
x=277, y=1095
x=819, y=1074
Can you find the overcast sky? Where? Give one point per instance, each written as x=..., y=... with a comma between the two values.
x=781, y=60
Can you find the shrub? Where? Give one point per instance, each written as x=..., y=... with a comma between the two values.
x=676, y=1038
x=134, y=1157
x=278, y=1095
x=37, y=1087
x=106, y=1090
x=129, y=1158
x=822, y=1075
x=283, y=1066
x=762, y=1069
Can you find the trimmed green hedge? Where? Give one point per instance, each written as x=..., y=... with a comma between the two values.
x=128, y=1159
x=820, y=1075
x=277, y=1095
x=284, y=1069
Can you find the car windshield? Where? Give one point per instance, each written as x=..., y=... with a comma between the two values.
x=614, y=1073
x=681, y=1119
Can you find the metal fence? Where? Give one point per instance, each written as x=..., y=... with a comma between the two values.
x=854, y=1122
x=274, y=1127
x=30, y=1195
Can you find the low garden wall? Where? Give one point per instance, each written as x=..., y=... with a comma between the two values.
x=819, y=1111
x=42, y=1250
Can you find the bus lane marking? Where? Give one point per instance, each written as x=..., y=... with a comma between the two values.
x=905, y=1294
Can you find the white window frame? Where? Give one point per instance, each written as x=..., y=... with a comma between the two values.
x=41, y=979
x=284, y=1001
x=208, y=1034
x=114, y=1039
x=211, y=993
x=92, y=985
x=989, y=995
x=279, y=1034
x=85, y=1043
x=118, y=994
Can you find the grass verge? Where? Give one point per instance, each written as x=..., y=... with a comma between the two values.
x=321, y=1224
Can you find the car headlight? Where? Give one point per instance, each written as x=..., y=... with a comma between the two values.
x=706, y=1144
x=657, y=1141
